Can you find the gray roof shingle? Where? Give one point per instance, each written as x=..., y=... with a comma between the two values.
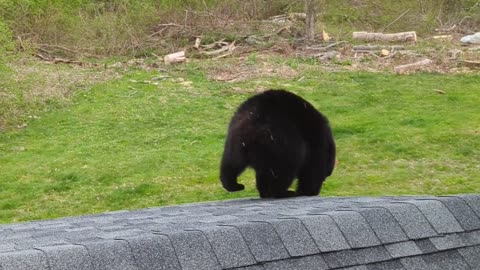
x=194, y=251
x=471, y=256
x=263, y=241
x=355, y=229
x=349, y=233
x=447, y=260
x=229, y=246
x=110, y=254
x=462, y=212
x=295, y=237
x=31, y=259
x=72, y=257
x=372, y=254
x=412, y=221
x=303, y=263
x=384, y=224
x=441, y=219
x=325, y=233
x=153, y=252
x=403, y=249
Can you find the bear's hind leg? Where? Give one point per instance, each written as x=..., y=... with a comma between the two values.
x=310, y=179
x=271, y=185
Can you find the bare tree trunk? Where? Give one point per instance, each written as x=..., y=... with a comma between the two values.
x=311, y=7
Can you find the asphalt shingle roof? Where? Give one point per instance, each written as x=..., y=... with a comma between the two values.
x=354, y=233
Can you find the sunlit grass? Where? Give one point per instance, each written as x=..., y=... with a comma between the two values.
x=130, y=144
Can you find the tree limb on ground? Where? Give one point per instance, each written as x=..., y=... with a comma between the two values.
x=377, y=47
x=55, y=60
x=230, y=47
x=395, y=37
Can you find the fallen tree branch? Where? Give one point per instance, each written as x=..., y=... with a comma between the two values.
x=446, y=30
x=320, y=48
x=63, y=48
x=395, y=37
x=328, y=56
x=165, y=26
x=285, y=28
x=223, y=55
x=230, y=47
x=398, y=18
x=220, y=43
x=59, y=60
x=377, y=47
x=448, y=37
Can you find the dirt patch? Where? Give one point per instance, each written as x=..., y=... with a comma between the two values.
x=43, y=81
x=35, y=86
x=244, y=72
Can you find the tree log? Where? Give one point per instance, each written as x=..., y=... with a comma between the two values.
x=177, y=57
x=471, y=64
x=399, y=37
x=412, y=67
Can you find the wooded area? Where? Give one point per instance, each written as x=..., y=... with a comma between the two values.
x=175, y=32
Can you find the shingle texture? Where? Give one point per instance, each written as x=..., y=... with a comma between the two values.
x=407, y=232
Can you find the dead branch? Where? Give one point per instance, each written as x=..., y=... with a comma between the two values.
x=391, y=55
x=58, y=47
x=446, y=30
x=42, y=57
x=320, y=48
x=328, y=56
x=59, y=60
x=298, y=16
x=398, y=18
x=220, y=43
x=412, y=67
x=334, y=44
x=63, y=48
x=279, y=18
x=377, y=47
x=164, y=27
x=228, y=48
x=443, y=37
x=280, y=31
x=395, y=37
x=223, y=55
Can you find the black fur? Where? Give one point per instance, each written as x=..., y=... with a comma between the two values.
x=282, y=137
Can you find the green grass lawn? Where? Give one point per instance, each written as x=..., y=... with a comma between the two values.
x=127, y=144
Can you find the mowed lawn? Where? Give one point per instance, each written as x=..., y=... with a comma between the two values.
x=146, y=140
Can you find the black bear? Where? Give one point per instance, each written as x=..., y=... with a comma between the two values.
x=282, y=137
